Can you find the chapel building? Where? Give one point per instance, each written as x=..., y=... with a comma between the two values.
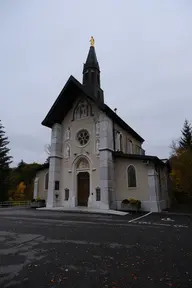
x=96, y=159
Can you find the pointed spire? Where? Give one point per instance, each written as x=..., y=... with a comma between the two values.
x=91, y=73
x=91, y=61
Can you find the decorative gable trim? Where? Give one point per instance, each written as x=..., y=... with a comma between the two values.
x=77, y=109
x=71, y=91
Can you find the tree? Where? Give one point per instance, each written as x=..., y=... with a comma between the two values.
x=22, y=180
x=185, y=141
x=181, y=175
x=21, y=164
x=5, y=161
x=19, y=194
x=181, y=165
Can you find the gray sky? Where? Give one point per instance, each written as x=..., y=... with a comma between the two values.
x=144, y=50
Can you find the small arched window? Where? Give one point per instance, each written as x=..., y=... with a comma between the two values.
x=129, y=146
x=46, y=180
x=121, y=142
x=86, y=77
x=131, y=176
x=117, y=141
x=98, y=80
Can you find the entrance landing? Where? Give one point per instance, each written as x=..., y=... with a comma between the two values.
x=85, y=210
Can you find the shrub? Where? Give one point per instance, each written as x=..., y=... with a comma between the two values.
x=125, y=201
x=133, y=202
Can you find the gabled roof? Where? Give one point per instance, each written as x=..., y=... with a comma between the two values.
x=153, y=159
x=122, y=123
x=73, y=89
x=64, y=102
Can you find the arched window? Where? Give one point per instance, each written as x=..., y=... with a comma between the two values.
x=46, y=180
x=98, y=80
x=82, y=110
x=117, y=141
x=93, y=76
x=121, y=142
x=131, y=176
x=86, y=76
x=129, y=146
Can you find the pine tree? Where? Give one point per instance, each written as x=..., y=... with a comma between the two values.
x=5, y=161
x=21, y=164
x=186, y=139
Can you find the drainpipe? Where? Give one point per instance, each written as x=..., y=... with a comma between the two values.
x=114, y=148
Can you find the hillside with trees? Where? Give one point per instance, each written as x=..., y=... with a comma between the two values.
x=15, y=183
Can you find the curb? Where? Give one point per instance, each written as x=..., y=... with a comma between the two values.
x=82, y=212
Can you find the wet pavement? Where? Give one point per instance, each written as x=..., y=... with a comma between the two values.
x=56, y=249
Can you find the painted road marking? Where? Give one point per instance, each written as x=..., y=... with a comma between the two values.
x=153, y=223
x=140, y=217
x=181, y=226
x=167, y=219
x=161, y=224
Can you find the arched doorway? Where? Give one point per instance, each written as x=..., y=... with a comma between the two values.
x=83, y=181
x=83, y=185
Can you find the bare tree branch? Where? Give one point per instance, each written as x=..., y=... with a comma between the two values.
x=47, y=149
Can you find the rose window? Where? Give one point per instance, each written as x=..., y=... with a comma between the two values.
x=83, y=137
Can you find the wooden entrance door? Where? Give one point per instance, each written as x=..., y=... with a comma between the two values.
x=83, y=188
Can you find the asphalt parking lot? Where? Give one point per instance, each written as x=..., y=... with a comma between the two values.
x=56, y=249
x=163, y=219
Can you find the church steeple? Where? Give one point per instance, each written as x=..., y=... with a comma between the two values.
x=91, y=73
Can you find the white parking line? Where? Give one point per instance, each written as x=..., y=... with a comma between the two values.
x=162, y=224
x=140, y=217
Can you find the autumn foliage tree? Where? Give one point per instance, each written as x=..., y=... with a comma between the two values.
x=19, y=194
x=21, y=179
x=181, y=163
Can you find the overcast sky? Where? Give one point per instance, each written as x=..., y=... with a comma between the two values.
x=144, y=50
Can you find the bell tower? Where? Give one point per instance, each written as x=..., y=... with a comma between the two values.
x=91, y=73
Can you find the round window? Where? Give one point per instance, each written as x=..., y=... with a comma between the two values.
x=83, y=137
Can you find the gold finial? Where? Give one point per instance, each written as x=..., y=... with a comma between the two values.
x=92, y=41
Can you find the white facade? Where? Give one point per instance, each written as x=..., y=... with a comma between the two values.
x=96, y=159
x=73, y=156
